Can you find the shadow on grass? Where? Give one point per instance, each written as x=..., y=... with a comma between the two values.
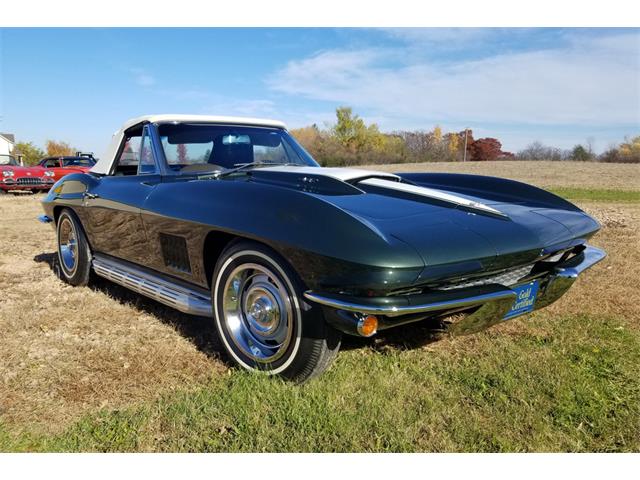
x=202, y=332
x=403, y=337
x=198, y=330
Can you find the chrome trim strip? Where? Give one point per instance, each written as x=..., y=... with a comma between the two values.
x=179, y=297
x=395, y=311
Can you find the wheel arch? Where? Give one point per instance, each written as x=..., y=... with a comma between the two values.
x=216, y=241
x=214, y=244
x=57, y=210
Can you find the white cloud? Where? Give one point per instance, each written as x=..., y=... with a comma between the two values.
x=142, y=78
x=444, y=37
x=587, y=81
x=293, y=116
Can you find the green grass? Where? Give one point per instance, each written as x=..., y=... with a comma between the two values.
x=569, y=384
x=596, y=194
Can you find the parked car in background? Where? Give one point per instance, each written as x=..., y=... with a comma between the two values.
x=14, y=177
x=61, y=166
x=231, y=219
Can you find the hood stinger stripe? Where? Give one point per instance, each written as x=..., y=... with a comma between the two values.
x=431, y=193
x=387, y=181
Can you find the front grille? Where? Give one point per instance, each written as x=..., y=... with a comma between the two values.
x=29, y=181
x=506, y=278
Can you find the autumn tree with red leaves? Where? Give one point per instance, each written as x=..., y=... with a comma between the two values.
x=485, y=149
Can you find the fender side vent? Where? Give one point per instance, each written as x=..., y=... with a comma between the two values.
x=174, y=252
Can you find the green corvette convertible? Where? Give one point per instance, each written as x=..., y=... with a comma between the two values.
x=231, y=219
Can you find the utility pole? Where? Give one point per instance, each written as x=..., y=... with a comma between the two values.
x=464, y=157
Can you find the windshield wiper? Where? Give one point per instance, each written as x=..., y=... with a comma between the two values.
x=247, y=166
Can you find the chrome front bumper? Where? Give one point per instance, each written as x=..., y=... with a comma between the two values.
x=494, y=301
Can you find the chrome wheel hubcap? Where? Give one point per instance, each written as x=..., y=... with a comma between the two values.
x=258, y=312
x=68, y=245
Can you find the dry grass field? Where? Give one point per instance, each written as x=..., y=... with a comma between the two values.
x=543, y=174
x=102, y=369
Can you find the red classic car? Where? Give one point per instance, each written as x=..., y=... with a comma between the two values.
x=61, y=166
x=13, y=176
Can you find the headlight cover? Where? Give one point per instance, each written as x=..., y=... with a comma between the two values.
x=48, y=173
x=8, y=173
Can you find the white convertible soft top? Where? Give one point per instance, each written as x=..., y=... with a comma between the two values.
x=103, y=165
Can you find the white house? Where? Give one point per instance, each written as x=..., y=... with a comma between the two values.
x=7, y=142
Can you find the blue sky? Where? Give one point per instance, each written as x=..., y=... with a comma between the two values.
x=558, y=86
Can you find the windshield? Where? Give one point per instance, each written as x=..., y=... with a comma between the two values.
x=8, y=160
x=201, y=148
x=78, y=162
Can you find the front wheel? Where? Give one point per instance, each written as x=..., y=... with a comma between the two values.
x=261, y=318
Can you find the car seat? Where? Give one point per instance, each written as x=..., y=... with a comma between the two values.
x=229, y=155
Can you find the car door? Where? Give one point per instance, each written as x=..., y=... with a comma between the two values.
x=113, y=206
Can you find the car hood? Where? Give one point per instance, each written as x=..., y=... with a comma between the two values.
x=20, y=170
x=453, y=231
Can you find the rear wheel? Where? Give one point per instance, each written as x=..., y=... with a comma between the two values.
x=261, y=318
x=74, y=254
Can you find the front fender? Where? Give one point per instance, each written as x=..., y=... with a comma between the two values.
x=326, y=245
x=68, y=191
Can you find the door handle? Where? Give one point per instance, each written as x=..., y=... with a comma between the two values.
x=88, y=196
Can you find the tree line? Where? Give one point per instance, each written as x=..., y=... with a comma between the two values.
x=32, y=154
x=626, y=152
x=350, y=141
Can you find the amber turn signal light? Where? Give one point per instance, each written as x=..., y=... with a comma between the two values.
x=368, y=325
